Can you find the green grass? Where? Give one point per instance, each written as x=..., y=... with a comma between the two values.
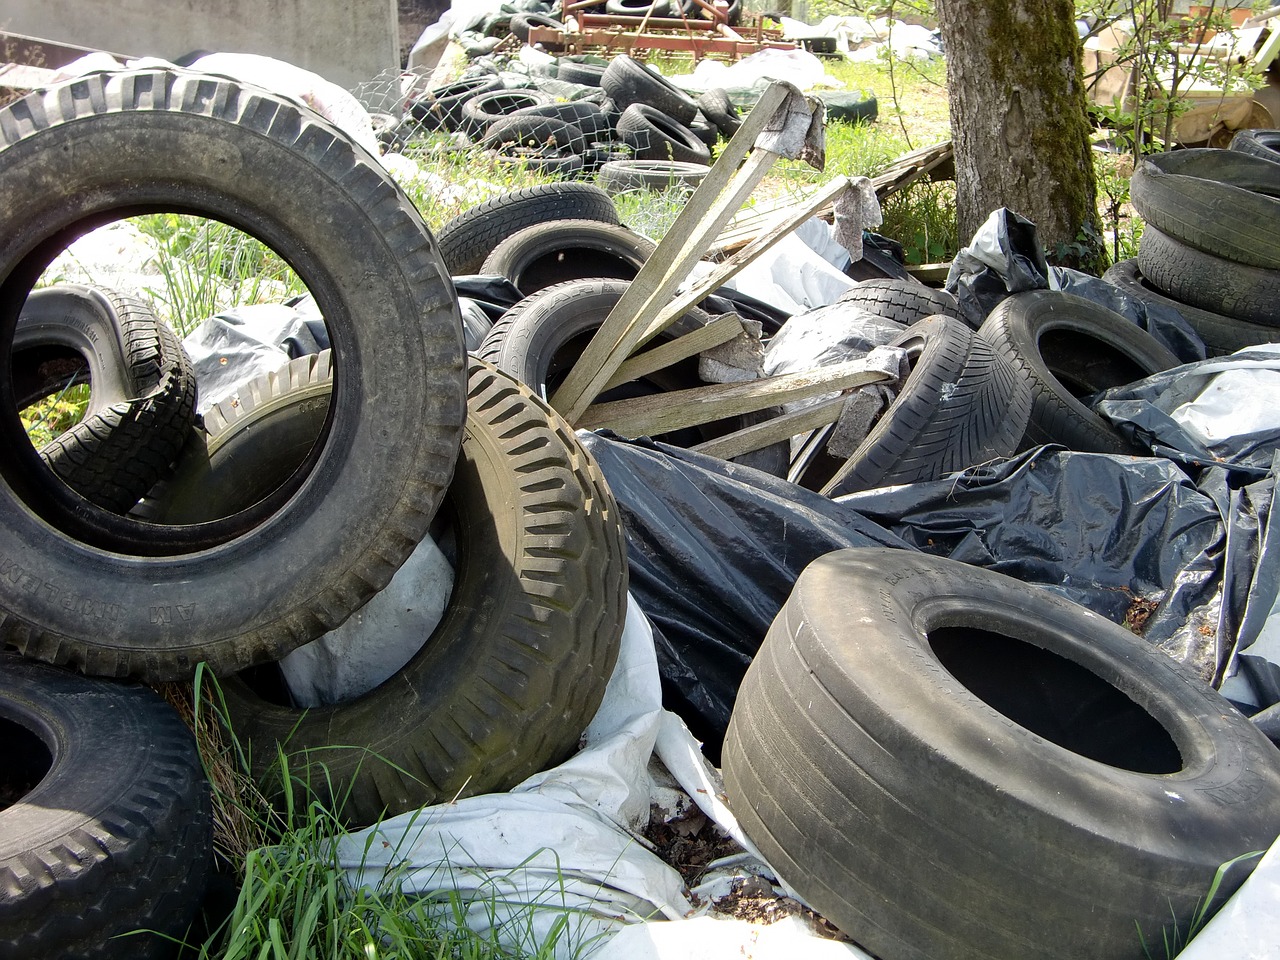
x=1177, y=934
x=295, y=897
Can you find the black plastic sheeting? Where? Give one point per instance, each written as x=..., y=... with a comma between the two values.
x=1144, y=413
x=1005, y=257
x=715, y=548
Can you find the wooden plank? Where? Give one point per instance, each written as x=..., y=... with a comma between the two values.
x=728, y=269
x=720, y=330
x=704, y=213
x=780, y=428
x=678, y=409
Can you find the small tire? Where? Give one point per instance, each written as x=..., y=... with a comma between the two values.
x=142, y=390
x=441, y=108
x=109, y=827
x=656, y=136
x=469, y=237
x=522, y=22
x=484, y=109
x=1207, y=281
x=116, y=596
x=517, y=666
x=962, y=404
x=1258, y=143
x=618, y=176
x=627, y=82
x=536, y=132
x=1065, y=348
x=904, y=301
x=586, y=72
x=550, y=253
x=947, y=762
x=1221, y=334
x=716, y=106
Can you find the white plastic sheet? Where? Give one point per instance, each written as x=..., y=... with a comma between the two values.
x=801, y=271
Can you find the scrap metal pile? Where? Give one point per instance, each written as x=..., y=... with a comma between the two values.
x=889, y=544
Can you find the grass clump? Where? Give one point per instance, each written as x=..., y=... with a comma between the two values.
x=298, y=894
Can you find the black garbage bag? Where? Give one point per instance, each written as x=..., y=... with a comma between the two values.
x=714, y=549
x=1131, y=538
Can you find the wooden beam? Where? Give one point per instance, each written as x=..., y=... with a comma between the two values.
x=730, y=268
x=779, y=428
x=662, y=413
x=720, y=330
x=704, y=215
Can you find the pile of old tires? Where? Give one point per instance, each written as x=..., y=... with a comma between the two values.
x=1209, y=246
x=145, y=541
x=617, y=119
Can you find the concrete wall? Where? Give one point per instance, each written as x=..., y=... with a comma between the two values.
x=345, y=41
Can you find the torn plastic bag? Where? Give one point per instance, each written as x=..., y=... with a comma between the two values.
x=1004, y=257
x=230, y=348
x=801, y=271
x=1130, y=538
x=1253, y=555
x=714, y=549
x=1219, y=412
x=827, y=335
x=881, y=257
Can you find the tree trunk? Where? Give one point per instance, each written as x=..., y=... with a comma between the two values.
x=1019, y=121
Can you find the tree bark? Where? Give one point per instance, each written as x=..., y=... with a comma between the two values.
x=1019, y=121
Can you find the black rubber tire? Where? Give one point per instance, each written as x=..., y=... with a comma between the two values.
x=961, y=405
x=108, y=827
x=252, y=443
x=716, y=106
x=116, y=596
x=542, y=161
x=1258, y=143
x=655, y=136
x=905, y=301
x=638, y=8
x=617, y=176
x=1066, y=347
x=1221, y=334
x=586, y=72
x=583, y=114
x=1209, y=282
x=441, y=107
x=484, y=109
x=469, y=237
x=946, y=762
x=142, y=390
x=537, y=132
x=1221, y=202
x=538, y=340
x=628, y=82
x=705, y=131
x=518, y=664
x=521, y=22
x=551, y=253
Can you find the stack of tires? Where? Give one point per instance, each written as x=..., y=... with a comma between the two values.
x=265, y=524
x=616, y=119
x=1210, y=247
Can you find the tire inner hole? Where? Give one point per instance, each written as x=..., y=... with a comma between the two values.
x=1056, y=699
x=27, y=761
x=571, y=264
x=1084, y=364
